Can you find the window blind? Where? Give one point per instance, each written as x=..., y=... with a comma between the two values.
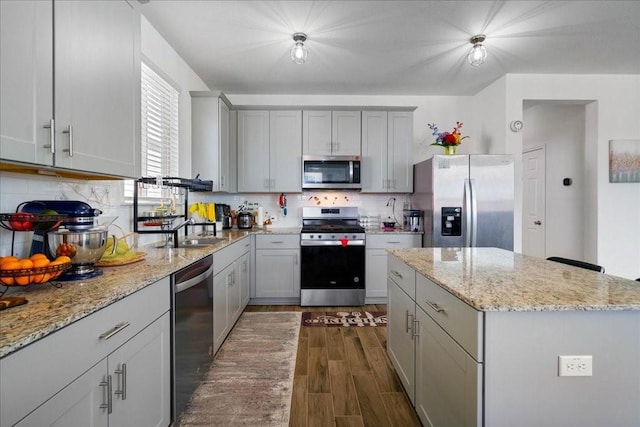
x=159, y=136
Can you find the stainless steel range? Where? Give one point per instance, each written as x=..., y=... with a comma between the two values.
x=332, y=253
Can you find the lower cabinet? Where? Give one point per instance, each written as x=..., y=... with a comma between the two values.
x=376, y=260
x=128, y=388
x=400, y=337
x=448, y=380
x=230, y=288
x=434, y=341
x=278, y=266
x=110, y=368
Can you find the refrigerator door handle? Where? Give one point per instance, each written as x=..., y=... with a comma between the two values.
x=474, y=214
x=467, y=213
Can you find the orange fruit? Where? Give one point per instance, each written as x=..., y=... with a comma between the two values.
x=39, y=263
x=38, y=256
x=9, y=265
x=25, y=264
x=7, y=259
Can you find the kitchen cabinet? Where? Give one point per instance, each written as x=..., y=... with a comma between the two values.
x=230, y=288
x=213, y=150
x=376, y=261
x=401, y=324
x=331, y=133
x=442, y=369
x=387, y=151
x=269, y=151
x=71, y=85
x=278, y=266
x=117, y=374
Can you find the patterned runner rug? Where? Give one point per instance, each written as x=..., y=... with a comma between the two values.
x=251, y=378
x=344, y=318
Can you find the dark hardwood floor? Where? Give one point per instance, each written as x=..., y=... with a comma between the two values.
x=343, y=376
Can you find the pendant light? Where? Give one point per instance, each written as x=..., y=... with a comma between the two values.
x=299, y=51
x=478, y=53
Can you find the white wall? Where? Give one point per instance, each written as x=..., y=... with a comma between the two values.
x=612, y=113
x=561, y=129
x=162, y=58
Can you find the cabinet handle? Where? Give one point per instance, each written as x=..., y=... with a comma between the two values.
x=394, y=242
x=221, y=181
x=109, y=405
x=70, y=132
x=277, y=241
x=296, y=261
x=122, y=371
x=52, y=136
x=416, y=329
x=407, y=328
x=111, y=332
x=395, y=273
x=434, y=306
x=266, y=183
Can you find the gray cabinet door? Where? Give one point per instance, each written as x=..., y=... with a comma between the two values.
x=400, y=341
x=97, y=86
x=448, y=380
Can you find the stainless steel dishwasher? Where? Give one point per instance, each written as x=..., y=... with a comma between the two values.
x=192, y=330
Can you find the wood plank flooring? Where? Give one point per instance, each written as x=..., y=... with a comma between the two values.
x=343, y=376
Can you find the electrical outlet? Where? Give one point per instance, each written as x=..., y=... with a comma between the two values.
x=575, y=366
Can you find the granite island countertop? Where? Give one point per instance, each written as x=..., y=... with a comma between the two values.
x=491, y=279
x=51, y=308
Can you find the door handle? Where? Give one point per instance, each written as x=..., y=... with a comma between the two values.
x=70, y=132
x=122, y=371
x=537, y=222
x=52, y=136
x=109, y=405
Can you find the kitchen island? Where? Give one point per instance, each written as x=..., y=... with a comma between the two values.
x=492, y=337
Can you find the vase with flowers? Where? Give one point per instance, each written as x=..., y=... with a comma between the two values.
x=448, y=140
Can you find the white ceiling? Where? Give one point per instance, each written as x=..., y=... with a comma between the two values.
x=394, y=47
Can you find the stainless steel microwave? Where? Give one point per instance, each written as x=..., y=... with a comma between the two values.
x=331, y=173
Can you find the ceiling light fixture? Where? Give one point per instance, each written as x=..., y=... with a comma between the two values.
x=478, y=54
x=299, y=51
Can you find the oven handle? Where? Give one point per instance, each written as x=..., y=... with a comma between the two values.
x=183, y=286
x=331, y=243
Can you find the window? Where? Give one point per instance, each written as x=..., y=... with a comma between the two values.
x=159, y=136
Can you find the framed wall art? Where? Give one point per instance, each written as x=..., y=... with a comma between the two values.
x=624, y=160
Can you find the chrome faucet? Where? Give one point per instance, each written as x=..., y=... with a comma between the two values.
x=189, y=221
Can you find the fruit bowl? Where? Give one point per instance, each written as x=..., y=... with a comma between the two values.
x=30, y=276
x=24, y=221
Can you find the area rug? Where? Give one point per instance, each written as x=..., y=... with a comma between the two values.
x=250, y=381
x=344, y=318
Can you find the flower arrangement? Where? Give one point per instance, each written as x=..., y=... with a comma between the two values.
x=447, y=139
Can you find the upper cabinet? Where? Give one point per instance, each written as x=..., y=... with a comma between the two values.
x=214, y=149
x=331, y=133
x=387, y=150
x=70, y=83
x=269, y=151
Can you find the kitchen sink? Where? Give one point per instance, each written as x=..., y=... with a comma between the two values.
x=199, y=242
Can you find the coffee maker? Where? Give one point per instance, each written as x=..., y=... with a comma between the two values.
x=412, y=220
x=223, y=214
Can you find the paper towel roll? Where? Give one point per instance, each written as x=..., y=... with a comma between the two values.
x=260, y=219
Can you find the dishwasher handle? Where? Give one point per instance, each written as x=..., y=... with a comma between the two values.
x=183, y=286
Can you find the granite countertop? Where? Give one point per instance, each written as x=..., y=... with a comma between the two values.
x=51, y=308
x=491, y=279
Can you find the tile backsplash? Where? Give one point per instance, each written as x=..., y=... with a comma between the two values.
x=108, y=196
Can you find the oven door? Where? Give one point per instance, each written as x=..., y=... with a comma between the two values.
x=332, y=275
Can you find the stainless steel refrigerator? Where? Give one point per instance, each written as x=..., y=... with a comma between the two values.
x=467, y=200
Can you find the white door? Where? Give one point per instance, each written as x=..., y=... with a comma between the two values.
x=26, y=80
x=96, y=58
x=533, y=203
x=400, y=341
x=374, y=173
x=346, y=133
x=278, y=273
x=140, y=370
x=285, y=152
x=253, y=151
x=316, y=136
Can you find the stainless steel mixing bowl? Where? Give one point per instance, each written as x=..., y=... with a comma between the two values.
x=84, y=247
